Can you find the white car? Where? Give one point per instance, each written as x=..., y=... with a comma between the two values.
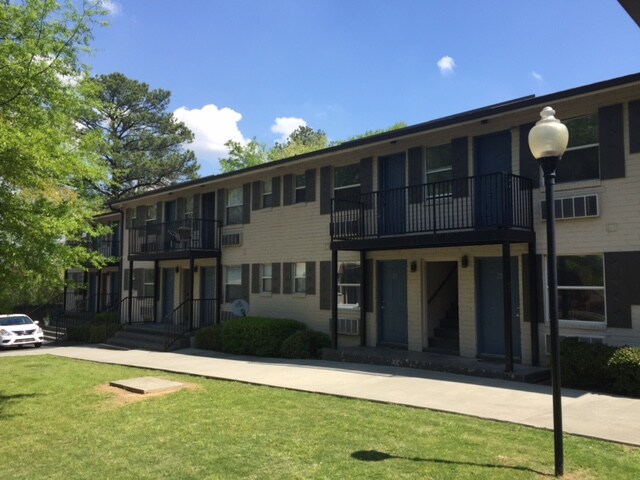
x=18, y=329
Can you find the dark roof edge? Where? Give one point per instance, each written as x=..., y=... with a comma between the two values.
x=495, y=109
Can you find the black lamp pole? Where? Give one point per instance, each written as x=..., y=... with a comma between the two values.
x=548, y=165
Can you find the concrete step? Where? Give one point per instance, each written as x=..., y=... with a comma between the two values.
x=446, y=332
x=445, y=344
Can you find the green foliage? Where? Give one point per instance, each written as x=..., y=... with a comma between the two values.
x=95, y=332
x=141, y=142
x=260, y=336
x=244, y=156
x=370, y=133
x=209, y=338
x=584, y=365
x=625, y=371
x=45, y=160
x=305, y=344
x=303, y=140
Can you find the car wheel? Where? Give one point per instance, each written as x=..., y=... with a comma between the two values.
x=37, y=345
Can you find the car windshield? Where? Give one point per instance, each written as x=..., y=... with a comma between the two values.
x=16, y=320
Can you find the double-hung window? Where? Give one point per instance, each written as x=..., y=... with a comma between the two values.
x=265, y=278
x=232, y=283
x=581, y=160
x=349, y=296
x=188, y=208
x=581, y=290
x=152, y=213
x=439, y=170
x=148, y=282
x=267, y=194
x=346, y=186
x=234, y=206
x=300, y=278
x=301, y=189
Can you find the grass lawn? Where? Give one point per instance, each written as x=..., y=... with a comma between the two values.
x=57, y=421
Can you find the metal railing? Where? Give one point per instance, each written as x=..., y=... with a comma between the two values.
x=188, y=316
x=496, y=200
x=178, y=236
x=107, y=247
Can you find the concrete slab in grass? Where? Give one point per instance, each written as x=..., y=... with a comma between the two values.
x=144, y=385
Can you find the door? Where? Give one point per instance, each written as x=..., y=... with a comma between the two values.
x=492, y=156
x=392, y=202
x=207, y=295
x=490, y=316
x=392, y=302
x=208, y=233
x=168, y=282
x=170, y=229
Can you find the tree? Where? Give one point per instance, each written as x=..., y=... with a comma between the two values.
x=44, y=159
x=370, y=133
x=143, y=144
x=303, y=140
x=243, y=156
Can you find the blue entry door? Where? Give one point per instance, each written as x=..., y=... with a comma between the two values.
x=168, y=283
x=492, y=156
x=392, y=302
x=392, y=202
x=490, y=314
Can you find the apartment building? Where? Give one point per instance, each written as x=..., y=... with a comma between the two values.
x=428, y=237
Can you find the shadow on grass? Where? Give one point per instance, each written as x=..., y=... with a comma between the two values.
x=376, y=456
x=4, y=399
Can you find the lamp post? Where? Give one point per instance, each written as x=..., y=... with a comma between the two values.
x=548, y=140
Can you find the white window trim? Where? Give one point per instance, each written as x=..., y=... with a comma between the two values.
x=296, y=276
x=154, y=209
x=226, y=279
x=264, y=277
x=230, y=205
x=354, y=307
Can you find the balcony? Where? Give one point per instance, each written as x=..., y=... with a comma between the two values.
x=179, y=239
x=108, y=247
x=472, y=210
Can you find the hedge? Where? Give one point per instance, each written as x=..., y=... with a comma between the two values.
x=305, y=344
x=259, y=336
x=209, y=338
x=600, y=367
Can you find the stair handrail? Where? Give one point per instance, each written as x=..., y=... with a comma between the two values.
x=169, y=327
x=446, y=279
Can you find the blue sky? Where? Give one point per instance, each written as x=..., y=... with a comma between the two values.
x=239, y=69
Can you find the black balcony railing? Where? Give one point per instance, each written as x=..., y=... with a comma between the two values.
x=107, y=247
x=497, y=200
x=178, y=236
x=189, y=315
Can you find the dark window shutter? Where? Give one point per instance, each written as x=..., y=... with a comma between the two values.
x=126, y=281
x=246, y=201
x=287, y=189
x=460, y=166
x=528, y=164
x=370, y=284
x=325, y=285
x=287, y=278
x=621, y=280
x=275, y=278
x=245, y=281
x=141, y=216
x=158, y=213
x=526, y=289
x=366, y=175
x=310, y=185
x=129, y=217
x=257, y=196
x=222, y=205
x=181, y=206
x=325, y=190
x=416, y=174
x=634, y=127
x=255, y=278
x=541, y=287
x=311, y=278
x=611, y=133
x=196, y=205
x=275, y=189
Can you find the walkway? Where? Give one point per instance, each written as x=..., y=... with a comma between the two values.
x=588, y=414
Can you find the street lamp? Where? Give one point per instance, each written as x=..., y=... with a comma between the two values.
x=548, y=140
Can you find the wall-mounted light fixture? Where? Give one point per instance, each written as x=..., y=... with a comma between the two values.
x=177, y=270
x=464, y=261
x=413, y=266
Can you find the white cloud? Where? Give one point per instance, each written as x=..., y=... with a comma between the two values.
x=112, y=7
x=446, y=65
x=285, y=126
x=212, y=128
x=536, y=76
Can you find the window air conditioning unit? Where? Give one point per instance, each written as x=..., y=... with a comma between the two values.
x=231, y=239
x=574, y=207
x=348, y=326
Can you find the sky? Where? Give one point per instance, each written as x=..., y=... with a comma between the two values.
x=243, y=69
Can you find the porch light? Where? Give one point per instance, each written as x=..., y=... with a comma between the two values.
x=548, y=140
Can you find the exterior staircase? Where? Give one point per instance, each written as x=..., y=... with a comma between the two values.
x=446, y=337
x=143, y=336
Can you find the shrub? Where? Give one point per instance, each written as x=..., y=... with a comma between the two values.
x=90, y=333
x=209, y=338
x=260, y=336
x=584, y=365
x=107, y=317
x=624, y=367
x=305, y=344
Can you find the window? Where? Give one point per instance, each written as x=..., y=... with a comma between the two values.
x=300, y=278
x=188, y=208
x=349, y=285
x=233, y=284
x=152, y=212
x=581, y=161
x=265, y=278
x=267, y=194
x=148, y=282
x=581, y=288
x=301, y=189
x=234, y=206
x=346, y=185
x=132, y=217
x=439, y=169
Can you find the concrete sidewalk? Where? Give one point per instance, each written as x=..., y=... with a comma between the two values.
x=594, y=415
